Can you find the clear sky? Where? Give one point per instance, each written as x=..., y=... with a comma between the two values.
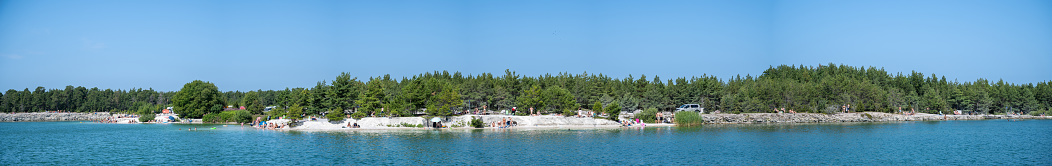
x=249, y=45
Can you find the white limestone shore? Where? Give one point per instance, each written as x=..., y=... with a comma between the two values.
x=546, y=121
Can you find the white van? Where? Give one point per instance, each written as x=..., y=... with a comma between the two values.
x=691, y=107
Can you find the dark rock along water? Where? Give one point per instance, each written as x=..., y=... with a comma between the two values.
x=987, y=142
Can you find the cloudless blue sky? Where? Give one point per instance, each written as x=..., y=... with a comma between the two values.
x=249, y=45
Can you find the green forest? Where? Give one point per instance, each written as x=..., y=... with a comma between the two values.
x=816, y=89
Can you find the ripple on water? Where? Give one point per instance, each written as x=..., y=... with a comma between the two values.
x=899, y=143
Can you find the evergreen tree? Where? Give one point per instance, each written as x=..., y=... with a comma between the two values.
x=597, y=107
x=531, y=98
x=344, y=91
x=295, y=112
x=560, y=100
x=445, y=101
x=252, y=103
x=613, y=111
x=371, y=101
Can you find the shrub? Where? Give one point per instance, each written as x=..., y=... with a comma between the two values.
x=649, y=115
x=1038, y=113
x=688, y=118
x=210, y=118
x=146, y=118
x=476, y=122
x=226, y=116
x=242, y=116
x=145, y=113
x=294, y=112
x=358, y=115
x=598, y=106
x=613, y=110
x=569, y=112
x=276, y=112
x=335, y=115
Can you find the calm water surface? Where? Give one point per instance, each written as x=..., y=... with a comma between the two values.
x=990, y=142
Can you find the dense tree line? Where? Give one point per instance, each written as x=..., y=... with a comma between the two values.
x=824, y=89
x=829, y=88
x=81, y=99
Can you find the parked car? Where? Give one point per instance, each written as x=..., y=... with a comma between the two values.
x=691, y=107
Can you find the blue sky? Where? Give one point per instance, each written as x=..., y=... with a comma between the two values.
x=249, y=45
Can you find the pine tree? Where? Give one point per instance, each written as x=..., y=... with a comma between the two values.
x=371, y=101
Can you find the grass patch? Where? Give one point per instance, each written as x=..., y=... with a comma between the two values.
x=688, y=118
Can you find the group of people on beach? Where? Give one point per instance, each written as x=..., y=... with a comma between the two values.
x=504, y=123
x=629, y=123
x=911, y=112
x=259, y=123
x=784, y=111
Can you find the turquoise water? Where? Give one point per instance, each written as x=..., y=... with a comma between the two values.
x=991, y=142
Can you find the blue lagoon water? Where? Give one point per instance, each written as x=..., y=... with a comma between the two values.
x=989, y=142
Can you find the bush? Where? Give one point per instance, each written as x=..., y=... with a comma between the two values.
x=226, y=116
x=477, y=123
x=358, y=115
x=210, y=118
x=335, y=115
x=295, y=112
x=146, y=112
x=598, y=106
x=569, y=112
x=649, y=115
x=688, y=118
x=276, y=112
x=613, y=110
x=146, y=118
x=1039, y=112
x=242, y=116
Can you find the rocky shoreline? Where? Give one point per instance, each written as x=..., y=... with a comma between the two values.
x=545, y=121
x=558, y=121
x=46, y=116
x=845, y=117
